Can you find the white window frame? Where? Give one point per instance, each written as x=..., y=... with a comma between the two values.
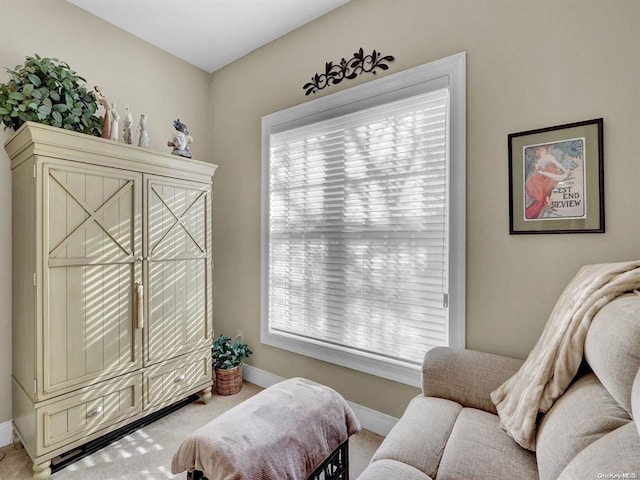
x=448, y=72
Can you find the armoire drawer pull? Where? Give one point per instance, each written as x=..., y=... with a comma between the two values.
x=180, y=378
x=94, y=412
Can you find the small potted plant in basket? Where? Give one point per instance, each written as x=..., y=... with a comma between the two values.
x=227, y=356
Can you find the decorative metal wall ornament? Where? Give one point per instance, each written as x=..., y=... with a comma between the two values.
x=347, y=69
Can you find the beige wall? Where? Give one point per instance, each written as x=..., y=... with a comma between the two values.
x=530, y=64
x=129, y=71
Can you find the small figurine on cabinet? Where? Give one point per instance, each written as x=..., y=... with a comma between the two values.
x=115, y=122
x=181, y=140
x=128, y=126
x=143, y=140
x=101, y=99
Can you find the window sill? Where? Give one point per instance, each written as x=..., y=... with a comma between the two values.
x=398, y=371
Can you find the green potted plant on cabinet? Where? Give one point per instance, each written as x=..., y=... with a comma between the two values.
x=47, y=91
x=227, y=357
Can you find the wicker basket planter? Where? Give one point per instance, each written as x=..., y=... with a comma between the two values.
x=227, y=359
x=228, y=380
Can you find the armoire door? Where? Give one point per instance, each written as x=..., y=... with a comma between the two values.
x=92, y=233
x=178, y=267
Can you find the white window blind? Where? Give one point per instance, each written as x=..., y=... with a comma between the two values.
x=356, y=232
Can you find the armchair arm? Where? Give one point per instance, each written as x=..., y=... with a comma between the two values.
x=465, y=376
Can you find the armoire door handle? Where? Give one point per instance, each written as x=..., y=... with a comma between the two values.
x=140, y=304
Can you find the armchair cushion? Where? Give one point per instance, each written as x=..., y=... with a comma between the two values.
x=465, y=376
x=478, y=449
x=615, y=453
x=584, y=414
x=611, y=346
x=427, y=424
x=386, y=469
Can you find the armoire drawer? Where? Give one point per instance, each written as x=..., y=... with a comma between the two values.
x=75, y=416
x=168, y=381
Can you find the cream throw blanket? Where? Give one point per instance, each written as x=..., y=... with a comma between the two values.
x=554, y=361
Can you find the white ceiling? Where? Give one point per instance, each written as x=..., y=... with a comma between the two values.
x=208, y=33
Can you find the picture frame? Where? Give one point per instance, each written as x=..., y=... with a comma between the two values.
x=556, y=179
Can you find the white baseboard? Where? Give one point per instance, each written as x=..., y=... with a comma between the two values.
x=260, y=377
x=372, y=420
x=6, y=433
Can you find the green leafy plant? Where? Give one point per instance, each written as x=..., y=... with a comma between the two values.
x=227, y=354
x=46, y=90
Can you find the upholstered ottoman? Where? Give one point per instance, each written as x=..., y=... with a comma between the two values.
x=294, y=430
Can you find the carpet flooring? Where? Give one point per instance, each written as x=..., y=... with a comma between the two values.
x=146, y=453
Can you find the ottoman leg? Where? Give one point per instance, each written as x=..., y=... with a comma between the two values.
x=196, y=475
x=335, y=466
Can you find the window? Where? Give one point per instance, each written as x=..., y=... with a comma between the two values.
x=363, y=222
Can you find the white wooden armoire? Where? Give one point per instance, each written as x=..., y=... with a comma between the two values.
x=112, y=275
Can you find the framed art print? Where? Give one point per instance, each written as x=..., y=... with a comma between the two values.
x=556, y=179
